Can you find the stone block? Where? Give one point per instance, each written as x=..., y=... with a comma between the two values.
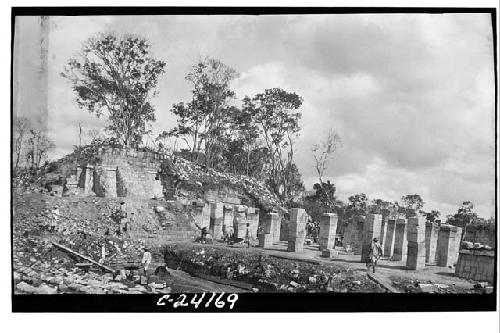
x=329, y=253
x=296, y=245
x=383, y=229
x=327, y=231
x=431, y=237
x=216, y=219
x=389, y=238
x=276, y=228
x=265, y=240
x=447, y=250
x=400, y=241
x=297, y=225
x=415, y=258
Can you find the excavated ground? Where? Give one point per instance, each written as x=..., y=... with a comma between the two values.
x=40, y=267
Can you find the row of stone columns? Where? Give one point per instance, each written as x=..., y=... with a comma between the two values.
x=220, y=218
x=415, y=241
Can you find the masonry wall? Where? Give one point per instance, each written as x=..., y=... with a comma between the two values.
x=476, y=265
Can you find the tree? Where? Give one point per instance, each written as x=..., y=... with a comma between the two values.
x=357, y=205
x=275, y=113
x=38, y=147
x=413, y=203
x=464, y=216
x=432, y=216
x=203, y=122
x=385, y=208
x=21, y=127
x=118, y=76
x=324, y=151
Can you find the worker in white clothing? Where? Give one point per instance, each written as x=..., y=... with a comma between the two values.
x=146, y=260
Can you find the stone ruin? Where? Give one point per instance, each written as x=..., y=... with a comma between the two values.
x=118, y=172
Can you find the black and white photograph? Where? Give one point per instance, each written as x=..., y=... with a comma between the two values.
x=205, y=159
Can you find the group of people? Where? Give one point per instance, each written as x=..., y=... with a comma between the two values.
x=228, y=235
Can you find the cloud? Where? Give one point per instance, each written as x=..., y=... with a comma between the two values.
x=412, y=96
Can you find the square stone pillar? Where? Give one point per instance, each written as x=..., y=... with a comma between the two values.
x=371, y=230
x=431, y=237
x=327, y=231
x=240, y=222
x=266, y=239
x=205, y=216
x=416, y=243
x=447, y=250
x=276, y=228
x=216, y=219
x=357, y=236
x=253, y=219
x=228, y=219
x=400, y=241
x=383, y=229
x=88, y=179
x=458, y=241
x=389, y=238
x=297, y=230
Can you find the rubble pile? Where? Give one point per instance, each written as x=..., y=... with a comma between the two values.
x=189, y=173
x=415, y=286
x=41, y=268
x=475, y=246
x=265, y=272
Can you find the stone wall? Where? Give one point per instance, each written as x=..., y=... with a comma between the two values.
x=122, y=172
x=476, y=265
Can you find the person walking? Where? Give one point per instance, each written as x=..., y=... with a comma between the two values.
x=375, y=253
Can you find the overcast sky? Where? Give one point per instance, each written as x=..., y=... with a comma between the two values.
x=412, y=96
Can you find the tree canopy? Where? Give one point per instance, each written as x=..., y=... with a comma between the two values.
x=117, y=75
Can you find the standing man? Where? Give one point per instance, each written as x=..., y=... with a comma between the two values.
x=54, y=218
x=375, y=253
x=247, y=235
x=119, y=216
x=146, y=260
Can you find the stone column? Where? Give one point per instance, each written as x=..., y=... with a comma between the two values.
x=400, y=241
x=216, y=219
x=458, y=241
x=431, y=237
x=389, y=238
x=327, y=231
x=266, y=238
x=240, y=222
x=383, y=229
x=205, y=216
x=253, y=219
x=297, y=230
x=371, y=230
x=88, y=181
x=447, y=250
x=228, y=219
x=416, y=243
x=276, y=228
